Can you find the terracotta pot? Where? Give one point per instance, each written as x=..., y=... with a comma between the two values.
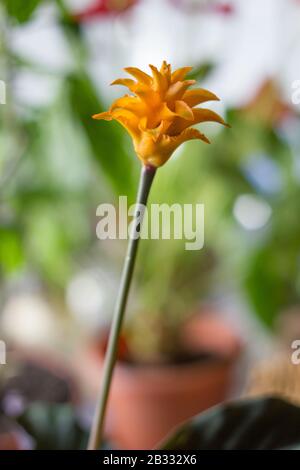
x=146, y=402
x=9, y=441
x=16, y=440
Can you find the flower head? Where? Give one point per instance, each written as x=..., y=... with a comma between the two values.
x=160, y=112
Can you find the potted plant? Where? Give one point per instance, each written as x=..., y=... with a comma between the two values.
x=176, y=357
x=192, y=370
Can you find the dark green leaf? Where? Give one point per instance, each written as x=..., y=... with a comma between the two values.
x=201, y=72
x=271, y=270
x=263, y=423
x=53, y=427
x=21, y=10
x=107, y=140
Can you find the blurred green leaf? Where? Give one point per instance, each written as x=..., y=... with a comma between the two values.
x=269, y=281
x=11, y=251
x=21, y=10
x=201, y=72
x=273, y=268
x=53, y=427
x=107, y=140
x=254, y=424
x=49, y=245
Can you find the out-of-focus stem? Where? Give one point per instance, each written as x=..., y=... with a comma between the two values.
x=146, y=179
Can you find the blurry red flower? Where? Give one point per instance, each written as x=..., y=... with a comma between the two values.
x=105, y=8
x=191, y=6
x=268, y=106
x=223, y=8
x=123, y=351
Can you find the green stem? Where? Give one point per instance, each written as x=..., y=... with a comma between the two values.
x=146, y=179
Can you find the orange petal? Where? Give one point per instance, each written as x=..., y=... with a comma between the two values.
x=164, y=66
x=165, y=113
x=143, y=123
x=156, y=115
x=200, y=115
x=166, y=145
x=128, y=120
x=166, y=70
x=191, y=134
x=130, y=103
x=183, y=110
x=157, y=150
x=125, y=113
x=106, y=116
x=207, y=115
x=141, y=76
x=179, y=74
x=124, y=117
x=131, y=84
x=159, y=80
x=163, y=127
x=188, y=134
x=149, y=97
x=176, y=91
x=157, y=132
x=198, y=96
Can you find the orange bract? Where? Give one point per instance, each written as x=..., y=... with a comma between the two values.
x=161, y=111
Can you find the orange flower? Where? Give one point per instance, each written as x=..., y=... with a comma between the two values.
x=161, y=111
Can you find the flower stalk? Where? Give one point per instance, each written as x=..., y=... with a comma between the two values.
x=146, y=179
